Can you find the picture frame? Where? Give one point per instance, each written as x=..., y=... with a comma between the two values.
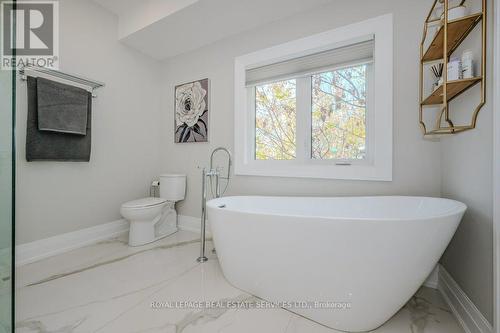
x=191, y=111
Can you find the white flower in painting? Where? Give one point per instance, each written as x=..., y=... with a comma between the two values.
x=190, y=103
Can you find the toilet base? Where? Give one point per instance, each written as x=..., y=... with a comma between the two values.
x=142, y=233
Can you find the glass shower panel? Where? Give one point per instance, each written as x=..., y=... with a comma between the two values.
x=6, y=199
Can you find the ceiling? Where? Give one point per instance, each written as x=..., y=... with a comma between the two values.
x=137, y=14
x=166, y=28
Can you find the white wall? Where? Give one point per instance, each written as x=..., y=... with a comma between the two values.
x=56, y=197
x=416, y=162
x=467, y=175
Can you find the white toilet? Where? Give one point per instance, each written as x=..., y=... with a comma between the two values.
x=154, y=218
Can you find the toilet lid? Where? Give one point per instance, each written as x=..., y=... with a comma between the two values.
x=144, y=202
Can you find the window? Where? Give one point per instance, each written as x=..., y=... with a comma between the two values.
x=318, y=107
x=275, y=121
x=338, y=113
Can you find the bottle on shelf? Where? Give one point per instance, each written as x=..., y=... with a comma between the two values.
x=454, y=69
x=467, y=64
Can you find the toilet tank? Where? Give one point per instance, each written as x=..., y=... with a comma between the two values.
x=173, y=187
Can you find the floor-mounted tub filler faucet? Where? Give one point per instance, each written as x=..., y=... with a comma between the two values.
x=215, y=177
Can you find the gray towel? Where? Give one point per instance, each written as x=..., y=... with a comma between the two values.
x=61, y=108
x=53, y=146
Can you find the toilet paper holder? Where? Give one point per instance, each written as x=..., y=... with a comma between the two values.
x=154, y=188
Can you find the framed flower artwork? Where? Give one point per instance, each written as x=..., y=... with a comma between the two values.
x=191, y=112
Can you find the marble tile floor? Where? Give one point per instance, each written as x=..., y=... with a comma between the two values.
x=110, y=287
x=5, y=290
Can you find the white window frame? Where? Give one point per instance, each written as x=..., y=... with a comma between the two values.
x=378, y=165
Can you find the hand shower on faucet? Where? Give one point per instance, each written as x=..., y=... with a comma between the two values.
x=212, y=174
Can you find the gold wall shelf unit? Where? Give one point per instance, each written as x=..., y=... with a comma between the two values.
x=448, y=37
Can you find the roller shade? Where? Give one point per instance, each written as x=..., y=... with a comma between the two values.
x=313, y=63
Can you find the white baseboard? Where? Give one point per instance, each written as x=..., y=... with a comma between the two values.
x=433, y=278
x=44, y=248
x=465, y=311
x=193, y=224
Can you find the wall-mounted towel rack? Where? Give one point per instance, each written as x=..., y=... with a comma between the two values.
x=78, y=80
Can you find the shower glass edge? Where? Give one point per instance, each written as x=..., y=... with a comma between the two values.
x=7, y=196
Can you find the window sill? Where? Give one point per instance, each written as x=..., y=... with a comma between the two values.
x=366, y=172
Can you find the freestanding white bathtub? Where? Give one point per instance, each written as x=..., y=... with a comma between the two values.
x=362, y=258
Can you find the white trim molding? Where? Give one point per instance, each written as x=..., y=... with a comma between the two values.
x=44, y=248
x=381, y=138
x=433, y=279
x=467, y=314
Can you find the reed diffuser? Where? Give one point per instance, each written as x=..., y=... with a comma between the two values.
x=437, y=70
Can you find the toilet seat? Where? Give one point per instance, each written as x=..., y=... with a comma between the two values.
x=144, y=203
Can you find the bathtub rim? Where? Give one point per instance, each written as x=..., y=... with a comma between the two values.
x=460, y=208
